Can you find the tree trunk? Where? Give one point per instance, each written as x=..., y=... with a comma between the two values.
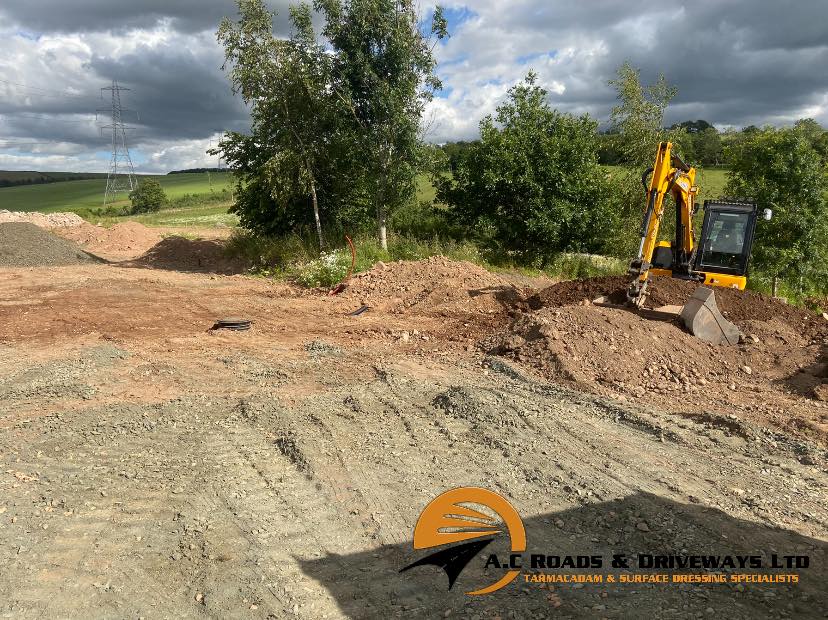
x=316, y=214
x=775, y=286
x=382, y=216
x=383, y=233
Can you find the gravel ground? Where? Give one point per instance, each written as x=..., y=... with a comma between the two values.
x=23, y=244
x=150, y=468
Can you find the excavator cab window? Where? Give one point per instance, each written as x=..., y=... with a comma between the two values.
x=727, y=237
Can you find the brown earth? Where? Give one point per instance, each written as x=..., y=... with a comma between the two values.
x=773, y=378
x=124, y=239
x=436, y=284
x=127, y=241
x=737, y=306
x=153, y=468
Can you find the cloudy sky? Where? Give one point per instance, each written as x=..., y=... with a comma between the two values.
x=735, y=62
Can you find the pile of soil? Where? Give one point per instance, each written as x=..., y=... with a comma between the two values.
x=574, y=292
x=25, y=245
x=44, y=220
x=120, y=240
x=737, y=306
x=436, y=283
x=779, y=368
x=192, y=255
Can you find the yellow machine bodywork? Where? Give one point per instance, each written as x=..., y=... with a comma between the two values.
x=722, y=280
x=671, y=177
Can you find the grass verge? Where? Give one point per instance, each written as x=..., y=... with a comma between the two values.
x=297, y=257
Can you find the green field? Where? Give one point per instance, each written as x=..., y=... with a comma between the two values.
x=711, y=182
x=72, y=195
x=204, y=210
x=203, y=216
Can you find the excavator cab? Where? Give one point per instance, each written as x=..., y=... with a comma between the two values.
x=726, y=242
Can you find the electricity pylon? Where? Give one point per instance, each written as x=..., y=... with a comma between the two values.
x=121, y=177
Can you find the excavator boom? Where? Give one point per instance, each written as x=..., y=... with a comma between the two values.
x=720, y=258
x=669, y=176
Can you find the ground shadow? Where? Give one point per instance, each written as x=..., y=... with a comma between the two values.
x=369, y=585
x=189, y=255
x=811, y=381
x=510, y=297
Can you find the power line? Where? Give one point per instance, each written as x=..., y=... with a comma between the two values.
x=46, y=92
x=44, y=117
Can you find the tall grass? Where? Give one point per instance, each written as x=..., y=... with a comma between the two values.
x=297, y=256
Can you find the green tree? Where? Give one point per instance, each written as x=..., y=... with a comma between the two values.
x=782, y=171
x=693, y=126
x=148, y=197
x=532, y=186
x=608, y=153
x=455, y=151
x=708, y=147
x=816, y=135
x=638, y=119
x=295, y=126
x=638, y=126
x=383, y=69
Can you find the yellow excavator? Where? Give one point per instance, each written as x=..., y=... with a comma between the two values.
x=719, y=257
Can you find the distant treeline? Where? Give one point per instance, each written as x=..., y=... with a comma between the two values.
x=13, y=178
x=197, y=170
x=699, y=144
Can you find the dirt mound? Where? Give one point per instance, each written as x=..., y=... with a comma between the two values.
x=121, y=240
x=25, y=245
x=737, y=306
x=573, y=292
x=43, y=220
x=774, y=376
x=193, y=255
x=435, y=283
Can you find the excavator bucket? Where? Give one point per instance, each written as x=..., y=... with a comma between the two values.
x=703, y=319
x=700, y=315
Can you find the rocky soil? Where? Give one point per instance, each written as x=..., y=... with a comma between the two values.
x=152, y=468
x=43, y=220
x=776, y=377
x=433, y=285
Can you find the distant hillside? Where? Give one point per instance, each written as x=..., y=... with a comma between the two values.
x=12, y=178
x=197, y=170
x=89, y=193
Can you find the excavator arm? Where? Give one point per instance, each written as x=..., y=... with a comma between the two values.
x=719, y=259
x=669, y=176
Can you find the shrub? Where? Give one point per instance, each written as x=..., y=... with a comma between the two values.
x=148, y=197
x=782, y=171
x=327, y=270
x=532, y=188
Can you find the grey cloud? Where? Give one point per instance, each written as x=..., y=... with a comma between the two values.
x=735, y=62
x=177, y=89
x=177, y=93
x=47, y=16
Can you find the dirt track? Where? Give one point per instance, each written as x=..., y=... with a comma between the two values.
x=153, y=469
